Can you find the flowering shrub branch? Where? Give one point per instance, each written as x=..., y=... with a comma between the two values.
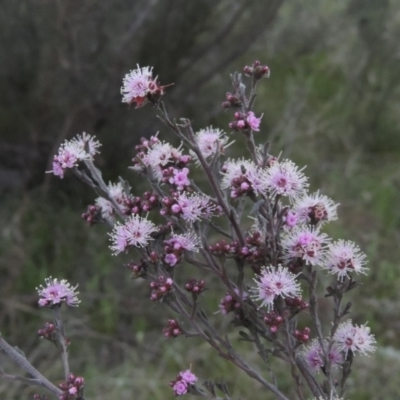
x=263, y=268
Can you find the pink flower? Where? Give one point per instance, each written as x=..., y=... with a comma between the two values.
x=160, y=287
x=274, y=282
x=291, y=218
x=180, y=388
x=188, y=377
x=188, y=241
x=242, y=177
x=344, y=257
x=117, y=191
x=135, y=232
x=82, y=147
x=285, y=179
x=159, y=155
x=306, y=243
x=137, y=84
x=314, y=355
x=211, y=141
x=315, y=208
x=182, y=382
x=253, y=121
x=73, y=391
x=180, y=179
x=171, y=259
x=120, y=238
x=349, y=337
x=194, y=206
x=229, y=303
x=57, y=292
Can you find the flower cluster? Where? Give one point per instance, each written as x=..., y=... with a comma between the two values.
x=344, y=257
x=245, y=122
x=120, y=194
x=56, y=292
x=315, y=209
x=230, y=303
x=305, y=243
x=136, y=231
x=274, y=282
x=353, y=338
x=182, y=383
x=172, y=329
x=210, y=141
x=48, y=332
x=273, y=320
x=314, y=355
x=72, y=388
x=257, y=70
x=140, y=86
x=160, y=288
x=71, y=152
x=167, y=163
x=190, y=206
x=195, y=287
x=177, y=244
x=242, y=177
x=285, y=246
x=253, y=252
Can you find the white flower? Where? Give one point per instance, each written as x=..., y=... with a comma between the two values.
x=306, y=243
x=135, y=232
x=285, y=179
x=194, y=206
x=349, y=337
x=211, y=140
x=136, y=83
x=188, y=241
x=159, y=156
x=274, y=282
x=343, y=257
x=243, y=176
x=116, y=191
x=315, y=208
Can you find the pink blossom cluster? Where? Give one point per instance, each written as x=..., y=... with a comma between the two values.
x=48, y=332
x=167, y=163
x=182, y=383
x=160, y=288
x=273, y=320
x=231, y=302
x=210, y=141
x=354, y=338
x=72, y=388
x=254, y=250
x=281, y=251
x=128, y=204
x=195, y=286
x=175, y=246
x=280, y=178
x=135, y=231
x=71, y=152
x=314, y=355
x=257, y=70
x=302, y=335
x=172, y=329
x=57, y=292
x=245, y=122
x=140, y=87
x=190, y=207
x=273, y=283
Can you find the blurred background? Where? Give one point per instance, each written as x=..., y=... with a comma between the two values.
x=332, y=103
